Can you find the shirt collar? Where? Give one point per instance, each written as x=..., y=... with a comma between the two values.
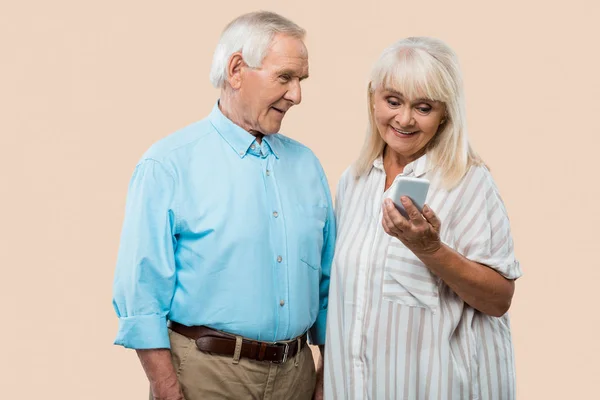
x=274, y=143
x=417, y=168
x=239, y=139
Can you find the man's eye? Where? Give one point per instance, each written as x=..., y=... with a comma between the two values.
x=284, y=78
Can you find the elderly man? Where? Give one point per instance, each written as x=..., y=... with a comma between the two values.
x=224, y=262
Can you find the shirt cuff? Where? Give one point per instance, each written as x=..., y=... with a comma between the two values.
x=316, y=334
x=143, y=332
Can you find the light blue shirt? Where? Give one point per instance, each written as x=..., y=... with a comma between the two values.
x=224, y=232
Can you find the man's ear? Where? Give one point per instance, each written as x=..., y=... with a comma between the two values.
x=235, y=68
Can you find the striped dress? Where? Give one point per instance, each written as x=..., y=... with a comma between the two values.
x=394, y=329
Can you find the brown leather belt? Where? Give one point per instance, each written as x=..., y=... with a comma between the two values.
x=213, y=341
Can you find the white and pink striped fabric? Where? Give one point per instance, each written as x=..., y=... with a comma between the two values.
x=395, y=330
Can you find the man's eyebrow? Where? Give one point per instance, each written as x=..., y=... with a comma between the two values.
x=291, y=73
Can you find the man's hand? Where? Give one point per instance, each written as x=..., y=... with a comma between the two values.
x=161, y=374
x=318, y=393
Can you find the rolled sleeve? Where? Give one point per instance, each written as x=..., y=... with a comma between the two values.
x=483, y=235
x=145, y=278
x=143, y=332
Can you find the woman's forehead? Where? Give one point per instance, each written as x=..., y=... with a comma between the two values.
x=410, y=93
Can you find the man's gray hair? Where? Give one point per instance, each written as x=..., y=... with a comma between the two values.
x=251, y=34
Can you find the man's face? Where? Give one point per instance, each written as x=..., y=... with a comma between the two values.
x=268, y=92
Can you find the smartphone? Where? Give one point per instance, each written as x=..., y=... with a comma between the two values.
x=414, y=188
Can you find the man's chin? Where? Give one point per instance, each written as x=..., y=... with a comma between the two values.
x=271, y=130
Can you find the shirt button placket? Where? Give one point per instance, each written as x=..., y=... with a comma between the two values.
x=279, y=245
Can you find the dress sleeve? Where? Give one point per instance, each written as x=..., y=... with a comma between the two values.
x=482, y=232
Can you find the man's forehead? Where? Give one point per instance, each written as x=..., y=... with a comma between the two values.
x=287, y=46
x=287, y=55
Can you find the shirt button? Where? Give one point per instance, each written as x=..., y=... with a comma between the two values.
x=281, y=303
x=268, y=172
x=275, y=214
x=253, y=147
x=241, y=153
x=279, y=259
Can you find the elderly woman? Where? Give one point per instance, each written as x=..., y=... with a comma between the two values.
x=418, y=305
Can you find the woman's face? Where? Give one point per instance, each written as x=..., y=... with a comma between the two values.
x=406, y=125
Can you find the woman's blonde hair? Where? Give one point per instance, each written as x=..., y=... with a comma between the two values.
x=423, y=67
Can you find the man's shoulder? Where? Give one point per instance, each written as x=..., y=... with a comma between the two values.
x=295, y=146
x=179, y=141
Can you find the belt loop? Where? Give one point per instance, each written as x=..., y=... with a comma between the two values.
x=238, y=350
x=299, y=341
x=262, y=349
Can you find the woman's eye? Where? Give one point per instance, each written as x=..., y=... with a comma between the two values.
x=393, y=102
x=424, y=109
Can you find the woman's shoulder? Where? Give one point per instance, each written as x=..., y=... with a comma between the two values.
x=346, y=179
x=351, y=182
x=347, y=175
x=478, y=183
x=480, y=171
x=476, y=177
x=351, y=179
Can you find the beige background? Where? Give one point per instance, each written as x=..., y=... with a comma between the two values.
x=86, y=87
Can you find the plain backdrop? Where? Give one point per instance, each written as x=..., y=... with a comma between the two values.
x=87, y=86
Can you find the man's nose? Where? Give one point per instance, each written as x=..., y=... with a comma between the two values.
x=294, y=93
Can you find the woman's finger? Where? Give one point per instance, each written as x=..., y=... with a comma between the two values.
x=412, y=211
x=387, y=223
x=432, y=218
x=395, y=217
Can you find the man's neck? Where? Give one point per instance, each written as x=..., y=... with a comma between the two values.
x=226, y=107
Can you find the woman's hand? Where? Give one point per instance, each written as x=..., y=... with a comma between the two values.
x=420, y=233
x=478, y=285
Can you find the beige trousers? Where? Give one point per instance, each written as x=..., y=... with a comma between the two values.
x=211, y=376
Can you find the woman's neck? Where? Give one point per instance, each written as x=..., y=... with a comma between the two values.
x=394, y=164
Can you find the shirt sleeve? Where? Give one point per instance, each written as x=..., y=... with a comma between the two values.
x=144, y=279
x=482, y=232
x=317, y=332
